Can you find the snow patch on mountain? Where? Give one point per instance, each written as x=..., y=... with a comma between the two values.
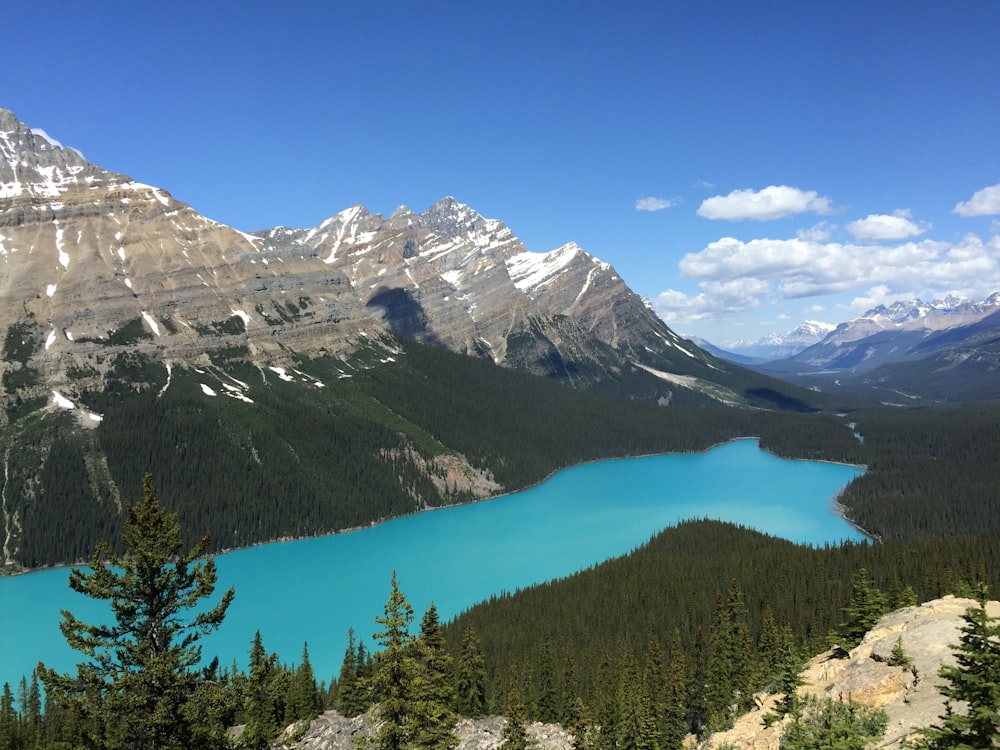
x=529, y=270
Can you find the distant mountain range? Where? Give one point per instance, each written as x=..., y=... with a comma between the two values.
x=941, y=350
x=772, y=346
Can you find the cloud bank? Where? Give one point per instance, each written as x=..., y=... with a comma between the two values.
x=735, y=276
x=985, y=202
x=773, y=202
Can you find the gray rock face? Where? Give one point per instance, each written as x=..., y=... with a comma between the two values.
x=331, y=731
x=86, y=254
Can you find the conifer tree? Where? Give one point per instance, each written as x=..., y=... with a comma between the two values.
x=547, y=708
x=867, y=605
x=9, y=733
x=515, y=736
x=975, y=681
x=353, y=695
x=140, y=674
x=395, y=670
x=636, y=726
x=261, y=721
x=570, y=686
x=674, y=725
x=303, y=701
x=470, y=680
x=432, y=713
x=729, y=680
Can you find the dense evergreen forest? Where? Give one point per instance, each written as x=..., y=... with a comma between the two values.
x=676, y=590
x=303, y=460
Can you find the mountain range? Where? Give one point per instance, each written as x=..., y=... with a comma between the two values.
x=944, y=350
x=280, y=365
x=93, y=261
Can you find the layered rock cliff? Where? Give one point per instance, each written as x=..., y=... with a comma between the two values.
x=93, y=263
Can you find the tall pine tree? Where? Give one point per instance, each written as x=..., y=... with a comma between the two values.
x=140, y=673
x=395, y=670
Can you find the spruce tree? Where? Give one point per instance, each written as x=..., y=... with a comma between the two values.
x=303, y=700
x=353, y=694
x=261, y=721
x=395, y=670
x=140, y=674
x=867, y=605
x=432, y=713
x=636, y=726
x=729, y=688
x=470, y=673
x=9, y=729
x=547, y=708
x=515, y=736
x=974, y=681
x=674, y=724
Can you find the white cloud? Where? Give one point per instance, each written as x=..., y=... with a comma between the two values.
x=886, y=228
x=773, y=202
x=737, y=276
x=819, y=233
x=649, y=203
x=985, y=202
x=877, y=295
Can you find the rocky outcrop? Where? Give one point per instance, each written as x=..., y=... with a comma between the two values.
x=331, y=731
x=909, y=695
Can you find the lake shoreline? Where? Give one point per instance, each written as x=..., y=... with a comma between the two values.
x=837, y=508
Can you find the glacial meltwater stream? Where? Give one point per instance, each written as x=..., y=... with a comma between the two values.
x=315, y=589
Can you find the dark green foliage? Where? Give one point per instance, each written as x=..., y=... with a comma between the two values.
x=140, y=678
x=662, y=587
x=898, y=656
x=867, y=605
x=729, y=671
x=515, y=737
x=21, y=342
x=352, y=694
x=433, y=692
x=972, y=692
x=303, y=701
x=470, y=676
x=231, y=326
x=635, y=723
x=931, y=472
x=395, y=671
x=260, y=699
x=834, y=725
x=128, y=334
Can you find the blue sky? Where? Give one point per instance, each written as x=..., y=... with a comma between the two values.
x=744, y=166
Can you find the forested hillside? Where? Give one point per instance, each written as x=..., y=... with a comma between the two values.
x=327, y=444
x=726, y=608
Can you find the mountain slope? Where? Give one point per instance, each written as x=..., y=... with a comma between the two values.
x=944, y=351
x=141, y=336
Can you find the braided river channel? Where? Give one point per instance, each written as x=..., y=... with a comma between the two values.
x=313, y=590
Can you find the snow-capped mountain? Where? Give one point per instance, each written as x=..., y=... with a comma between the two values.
x=779, y=345
x=902, y=331
x=93, y=263
x=945, y=350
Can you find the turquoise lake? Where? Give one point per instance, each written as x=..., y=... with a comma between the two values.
x=313, y=590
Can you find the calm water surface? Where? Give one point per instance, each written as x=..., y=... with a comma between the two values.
x=314, y=590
